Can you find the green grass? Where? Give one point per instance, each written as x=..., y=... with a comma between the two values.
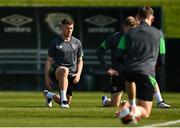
x=26, y=109
x=171, y=8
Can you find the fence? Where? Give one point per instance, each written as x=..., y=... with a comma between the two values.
x=30, y=62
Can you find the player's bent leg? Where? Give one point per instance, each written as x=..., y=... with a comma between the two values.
x=117, y=88
x=48, y=98
x=145, y=107
x=69, y=98
x=57, y=99
x=62, y=77
x=131, y=91
x=115, y=99
x=160, y=102
x=70, y=89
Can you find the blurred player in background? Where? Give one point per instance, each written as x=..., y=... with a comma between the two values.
x=116, y=78
x=63, y=65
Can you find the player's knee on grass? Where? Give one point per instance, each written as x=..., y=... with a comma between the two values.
x=145, y=107
x=115, y=102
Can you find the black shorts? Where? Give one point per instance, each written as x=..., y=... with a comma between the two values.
x=144, y=85
x=71, y=85
x=117, y=83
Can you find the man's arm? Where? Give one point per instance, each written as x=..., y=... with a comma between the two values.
x=120, y=53
x=48, y=65
x=162, y=52
x=79, y=70
x=100, y=55
x=79, y=65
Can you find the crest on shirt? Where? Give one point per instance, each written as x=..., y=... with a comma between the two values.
x=74, y=46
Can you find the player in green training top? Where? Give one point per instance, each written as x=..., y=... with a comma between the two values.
x=116, y=78
x=141, y=46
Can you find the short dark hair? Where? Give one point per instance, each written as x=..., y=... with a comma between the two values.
x=145, y=12
x=66, y=21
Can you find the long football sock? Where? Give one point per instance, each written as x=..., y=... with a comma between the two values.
x=158, y=97
x=63, y=95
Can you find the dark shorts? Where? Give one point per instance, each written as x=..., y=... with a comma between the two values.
x=144, y=85
x=117, y=83
x=71, y=85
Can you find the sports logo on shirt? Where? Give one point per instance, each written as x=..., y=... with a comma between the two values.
x=74, y=46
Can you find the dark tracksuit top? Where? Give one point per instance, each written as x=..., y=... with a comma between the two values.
x=142, y=45
x=109, y=44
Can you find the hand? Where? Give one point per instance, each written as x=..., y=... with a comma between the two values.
x=48, y=83
x=77, y=78
x=112, y=72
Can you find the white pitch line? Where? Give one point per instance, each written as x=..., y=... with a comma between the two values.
x=163, y=124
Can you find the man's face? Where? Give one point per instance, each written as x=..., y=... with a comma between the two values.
x=126, y=29
x=67, y=30
x=152, y=18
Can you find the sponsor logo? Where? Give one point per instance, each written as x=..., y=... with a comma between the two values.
x=100, y=20
x=53, y=21
x=102, y=24
x=114, y=88
x=17, y=21
x=59, y=46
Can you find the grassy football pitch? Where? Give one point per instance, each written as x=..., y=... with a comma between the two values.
x=26, y=109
